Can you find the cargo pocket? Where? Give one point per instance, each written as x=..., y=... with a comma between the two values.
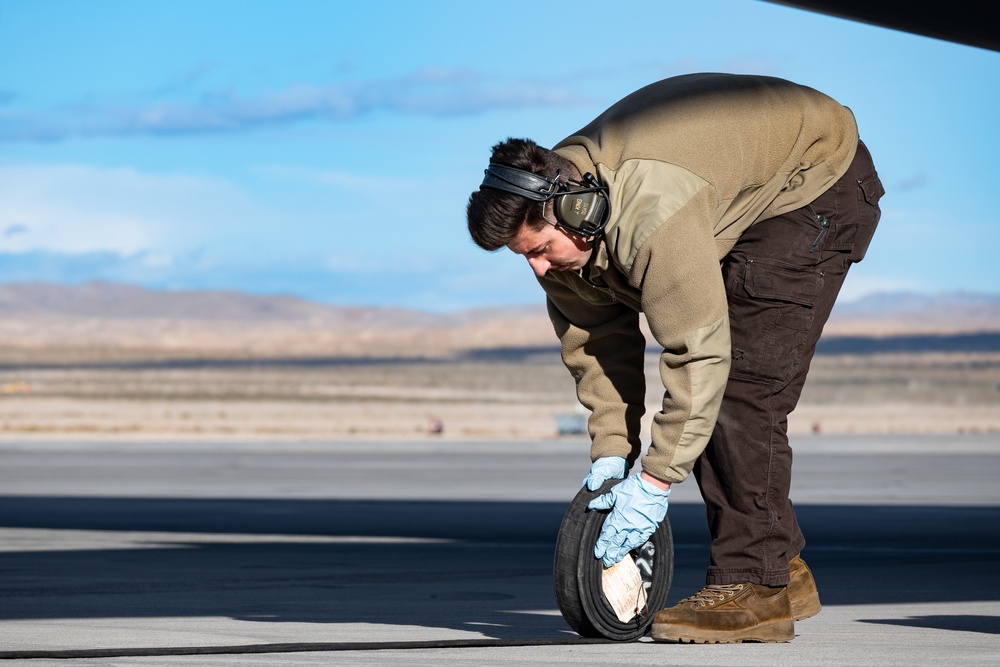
x=770, y=316
x=854, y=236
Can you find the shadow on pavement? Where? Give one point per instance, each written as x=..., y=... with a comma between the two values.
x=963, y=623
x=481, y=566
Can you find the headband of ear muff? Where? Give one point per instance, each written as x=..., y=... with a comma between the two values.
x=520, y=182
x=583, y=210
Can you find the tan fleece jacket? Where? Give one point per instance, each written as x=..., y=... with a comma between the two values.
x=690, y=163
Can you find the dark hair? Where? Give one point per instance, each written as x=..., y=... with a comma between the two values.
x=494, y=217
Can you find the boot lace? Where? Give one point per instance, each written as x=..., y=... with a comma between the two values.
x=714, y=594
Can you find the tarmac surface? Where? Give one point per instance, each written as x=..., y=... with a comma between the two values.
x=439, y=552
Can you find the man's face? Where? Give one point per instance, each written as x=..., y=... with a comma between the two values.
x=551, y=247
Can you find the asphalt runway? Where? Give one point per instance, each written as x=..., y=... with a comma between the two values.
x=439, y=552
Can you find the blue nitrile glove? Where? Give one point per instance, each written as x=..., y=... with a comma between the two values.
x=603, y=469
x=638, y=508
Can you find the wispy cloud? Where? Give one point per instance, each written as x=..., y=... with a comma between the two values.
x=184, y=81
x=361, y=183
x=79, y=267
x=439, y=92
x=915, y=182
x=73, y=223
x=77, y=209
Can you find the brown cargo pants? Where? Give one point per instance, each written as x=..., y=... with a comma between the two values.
x=782, y=278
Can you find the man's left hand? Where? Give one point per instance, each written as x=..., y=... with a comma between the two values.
x=637, y=507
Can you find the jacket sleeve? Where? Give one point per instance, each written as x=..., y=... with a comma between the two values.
x=604, y=349
x=678, y=273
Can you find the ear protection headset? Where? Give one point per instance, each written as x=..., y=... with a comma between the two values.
x=582, y=210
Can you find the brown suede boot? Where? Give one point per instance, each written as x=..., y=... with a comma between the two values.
x=727, y=614
x=802, y=593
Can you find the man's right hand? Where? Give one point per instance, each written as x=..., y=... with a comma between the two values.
x=637, y=505
x=603, y=469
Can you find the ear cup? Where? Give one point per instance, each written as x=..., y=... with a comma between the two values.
x=582, y=211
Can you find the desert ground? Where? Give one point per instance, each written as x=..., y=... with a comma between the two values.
x=106, y=360
x=523, y=397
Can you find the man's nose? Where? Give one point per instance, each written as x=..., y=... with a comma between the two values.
x=539, y=265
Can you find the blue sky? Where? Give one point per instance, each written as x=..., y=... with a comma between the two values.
x=327, y=149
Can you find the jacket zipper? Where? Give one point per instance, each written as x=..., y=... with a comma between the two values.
x=607, y=290
x=600, y=288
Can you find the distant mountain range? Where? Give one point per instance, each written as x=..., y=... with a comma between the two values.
x=922, y=313
x=117, y=301
x=113, y=320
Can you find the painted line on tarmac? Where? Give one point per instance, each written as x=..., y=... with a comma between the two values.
x=295, y=648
